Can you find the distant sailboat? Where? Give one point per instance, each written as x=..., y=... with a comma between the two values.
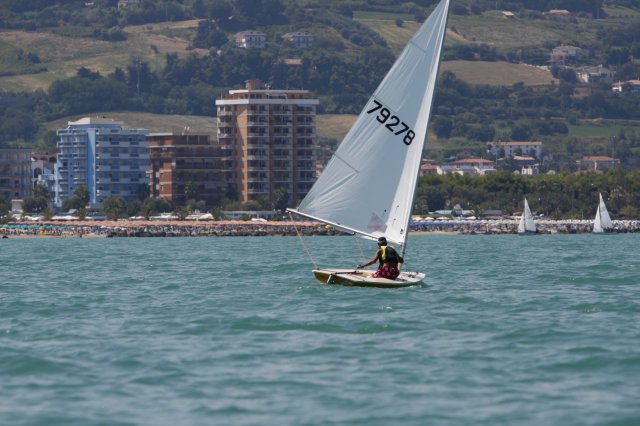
x=602, y=222
x=368, y=186
x=526, y=225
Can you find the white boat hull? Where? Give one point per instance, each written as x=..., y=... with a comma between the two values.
x=363, y=278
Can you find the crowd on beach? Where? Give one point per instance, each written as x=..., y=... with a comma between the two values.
x=244, y=228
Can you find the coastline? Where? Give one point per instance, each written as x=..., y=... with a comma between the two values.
x=159, y=228
x=176, y=228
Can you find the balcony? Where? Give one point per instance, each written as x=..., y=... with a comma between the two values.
x=280, y=111
x=306, y=180
x=283, y=123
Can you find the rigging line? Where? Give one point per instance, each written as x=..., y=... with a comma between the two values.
x=315, y=264
x=359, y=246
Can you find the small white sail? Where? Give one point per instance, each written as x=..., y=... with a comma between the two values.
x=369, y=184
x=526, y=220
x=602, y=221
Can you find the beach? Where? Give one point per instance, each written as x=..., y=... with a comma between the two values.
x=178, y=228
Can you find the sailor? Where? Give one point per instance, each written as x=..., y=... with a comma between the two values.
x=388, y=259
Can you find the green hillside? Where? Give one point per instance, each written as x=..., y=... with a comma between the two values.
x=170, y=63
x=498, y=73
x=63, y=55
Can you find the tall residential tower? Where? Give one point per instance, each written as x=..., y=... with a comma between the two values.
x=268, y=139
x=103, y=156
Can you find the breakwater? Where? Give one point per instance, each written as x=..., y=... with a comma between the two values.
x=111, y=229
x=127, y=228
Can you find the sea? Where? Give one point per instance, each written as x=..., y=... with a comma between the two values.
x=505, y=330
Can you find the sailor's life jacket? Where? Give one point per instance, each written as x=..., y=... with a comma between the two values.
x=389, y=255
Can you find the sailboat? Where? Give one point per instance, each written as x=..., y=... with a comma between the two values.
x=368, y=186
x=526, y=225
x=602, y=222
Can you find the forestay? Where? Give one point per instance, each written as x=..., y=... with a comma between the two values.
x=369, y=184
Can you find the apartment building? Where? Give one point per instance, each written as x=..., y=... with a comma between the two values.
x=597, y=163
x=268, y=139
x=509, y=149
x=185, y=167
x=103, y=156
x=42, y=169
x=251, y=39
x=299, y=39
x=15, y=174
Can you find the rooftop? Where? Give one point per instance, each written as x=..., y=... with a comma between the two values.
x=95, y=121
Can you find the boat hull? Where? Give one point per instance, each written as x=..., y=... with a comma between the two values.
x=363, y=278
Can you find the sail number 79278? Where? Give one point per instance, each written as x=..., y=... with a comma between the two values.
x=393, y=123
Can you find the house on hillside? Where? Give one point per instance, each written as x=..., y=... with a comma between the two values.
x=531, y=148
x=597, y=163
x=566, y=53
x=123, y=4
x=251, y=39
x=629, y=86
x=300, y=39
x=530, y=170
x=428, y=167
x=558, y=13
x=597, y=74
x=295, y=62
x=468, y=166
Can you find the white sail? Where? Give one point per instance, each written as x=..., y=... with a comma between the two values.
x=369, y=184
x=526, y=220
x=602, y=221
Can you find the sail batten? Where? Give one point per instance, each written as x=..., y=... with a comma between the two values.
x=369, y=184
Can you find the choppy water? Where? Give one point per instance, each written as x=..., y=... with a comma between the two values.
x=541, y=330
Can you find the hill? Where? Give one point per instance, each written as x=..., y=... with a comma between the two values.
x=60, y=56
x=329, y=126
x=355, y=43
x=498, y=73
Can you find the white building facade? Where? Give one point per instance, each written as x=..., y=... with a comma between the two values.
x=104, y=157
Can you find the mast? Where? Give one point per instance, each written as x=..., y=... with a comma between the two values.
x=415, y=189
x=369, y=185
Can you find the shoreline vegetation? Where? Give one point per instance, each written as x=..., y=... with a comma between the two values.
x=164, y=228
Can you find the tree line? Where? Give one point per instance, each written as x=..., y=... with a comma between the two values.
x=557, y=196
